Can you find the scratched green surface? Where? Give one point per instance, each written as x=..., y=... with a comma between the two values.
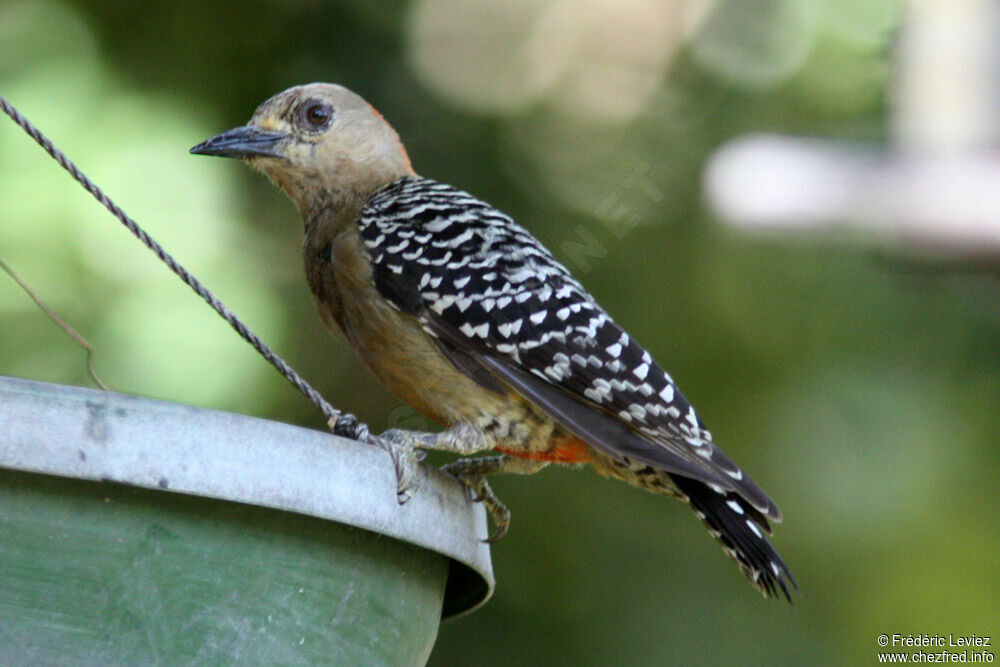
x=107, y=574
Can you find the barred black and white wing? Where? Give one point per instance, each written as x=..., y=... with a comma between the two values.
x=503, y=308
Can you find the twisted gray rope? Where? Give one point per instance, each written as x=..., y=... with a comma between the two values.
x=341, y=423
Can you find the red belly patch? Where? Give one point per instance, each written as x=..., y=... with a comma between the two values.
x=566, y=450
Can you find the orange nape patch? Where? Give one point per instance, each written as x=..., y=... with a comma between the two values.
x=566, y=450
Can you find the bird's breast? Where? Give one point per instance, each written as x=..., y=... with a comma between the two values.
x=392, y=344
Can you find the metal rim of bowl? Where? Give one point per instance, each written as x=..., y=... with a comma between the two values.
x=86, y=434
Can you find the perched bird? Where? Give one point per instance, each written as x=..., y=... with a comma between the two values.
x=465, y=316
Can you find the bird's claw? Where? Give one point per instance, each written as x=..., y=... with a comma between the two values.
x=479, y=491
x=403, y=447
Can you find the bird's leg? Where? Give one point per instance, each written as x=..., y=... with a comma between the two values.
x=472, y=474
x=406, y=449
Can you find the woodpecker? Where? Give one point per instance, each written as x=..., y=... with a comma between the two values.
x=465, y=316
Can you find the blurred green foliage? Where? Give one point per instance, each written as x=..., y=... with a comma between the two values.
x=859, y=390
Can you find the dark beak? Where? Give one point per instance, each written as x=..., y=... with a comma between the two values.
x=242, y=142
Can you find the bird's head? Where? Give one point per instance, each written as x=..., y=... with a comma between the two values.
x=317, y=142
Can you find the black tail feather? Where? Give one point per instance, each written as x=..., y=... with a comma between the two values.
x=740, y=529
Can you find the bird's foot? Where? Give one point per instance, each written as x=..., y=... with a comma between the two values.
x=471, y=473
x=407, y=451
x=403, y=446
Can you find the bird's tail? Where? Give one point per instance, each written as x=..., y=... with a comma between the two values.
x=740, y=530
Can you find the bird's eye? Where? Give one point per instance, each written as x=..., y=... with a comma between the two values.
x=316, y=115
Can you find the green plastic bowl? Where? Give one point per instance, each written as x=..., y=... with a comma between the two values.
x=138, y=531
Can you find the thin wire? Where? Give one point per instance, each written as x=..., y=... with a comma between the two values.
x=341, y=423
x=63, y=324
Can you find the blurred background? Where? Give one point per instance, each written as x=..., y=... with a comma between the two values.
x=854, y=374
